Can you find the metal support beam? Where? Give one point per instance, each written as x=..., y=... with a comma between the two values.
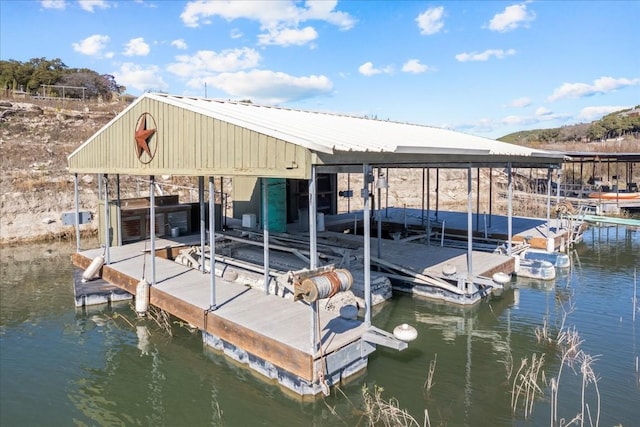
x=478, y=199
x=428, y=207
x=383, y=338
x=367, y=244
x=152, y=227
x=437, y=191
x=76, y=198
x=509, y=208
x=118, y=210
x=378, y=215
x=107, y=252
x=265, y=233
x=203, y=222
x=313, y=255
x=548, y=202
x=490, y=195
x=469, y=224
x=212, y=243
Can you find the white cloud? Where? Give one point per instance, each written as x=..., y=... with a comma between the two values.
x=140, y=78
x=288, y=36
x=53, y=4
x=207, y=61
x=512, y=17
x=136, y=47
x=263, y=86
x=430, y=21
x=542, y=111
x=414, y=66
x=596, y=113
x=91, y=5
x=484, y=56
x=599, y=86
x=368, y=69
x=179, y=44
x=235, y=33
x=520, y=102
x=92, y=45
x=275, y=17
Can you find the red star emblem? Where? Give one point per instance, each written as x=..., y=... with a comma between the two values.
x=142, y=136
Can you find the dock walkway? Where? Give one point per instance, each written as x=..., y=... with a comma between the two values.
x=270, y=333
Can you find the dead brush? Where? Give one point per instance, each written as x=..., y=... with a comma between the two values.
x=572, y=355
x=527, y=384
x=378, y=411
x=428, y=383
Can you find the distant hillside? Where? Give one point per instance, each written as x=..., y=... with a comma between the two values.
x=620, y=124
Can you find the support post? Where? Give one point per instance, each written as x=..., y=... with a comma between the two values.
x=313, y=255
x=422, y=213
x=76, y=198
x=367, y=244
x=118, y=211
x=202, y=221
x=490, y=195
x=212, y=243
x=152, y=227
x=548, y=202
x=265, y=233
x=437, y=191
x=379, y=217
x=428, y=207
x=478, y=199
x=509, y=208
x=107, y=252
x=469, y=224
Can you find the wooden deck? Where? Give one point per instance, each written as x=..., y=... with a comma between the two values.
x=271, y=328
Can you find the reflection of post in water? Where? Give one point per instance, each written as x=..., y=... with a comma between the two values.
x=155, y=397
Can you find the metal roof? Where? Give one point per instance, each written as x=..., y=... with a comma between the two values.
x=597, y=156
x=332, y=133
x=199, y=136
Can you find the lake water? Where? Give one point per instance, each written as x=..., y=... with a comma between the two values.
x=101, y=366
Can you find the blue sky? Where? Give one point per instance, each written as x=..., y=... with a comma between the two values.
x=482, y=67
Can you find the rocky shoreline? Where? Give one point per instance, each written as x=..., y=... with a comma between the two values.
x=35, y=140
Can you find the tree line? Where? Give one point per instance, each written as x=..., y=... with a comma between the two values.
x=615, y=125
x=620, y=124
x=37, y=75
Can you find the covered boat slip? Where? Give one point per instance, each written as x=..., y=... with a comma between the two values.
x=266, y=331
x=167, y=135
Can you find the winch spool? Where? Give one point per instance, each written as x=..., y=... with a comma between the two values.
x=323, y=285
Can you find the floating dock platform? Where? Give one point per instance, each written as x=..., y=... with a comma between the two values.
x=268, y=333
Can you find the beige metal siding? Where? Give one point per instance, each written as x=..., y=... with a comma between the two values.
x=189, y=143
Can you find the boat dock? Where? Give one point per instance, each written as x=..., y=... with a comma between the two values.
x=282, y=166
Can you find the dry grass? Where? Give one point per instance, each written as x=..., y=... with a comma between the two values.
x=378, y=411
x=527, y=384
x=428, y=383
